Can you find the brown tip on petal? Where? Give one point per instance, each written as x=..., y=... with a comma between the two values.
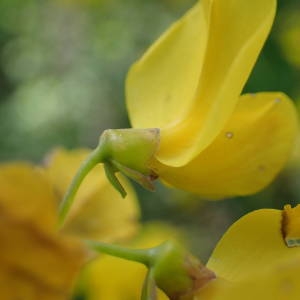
x=290, y=225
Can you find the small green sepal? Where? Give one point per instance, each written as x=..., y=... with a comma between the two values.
x=131, y=152
x=110, y=172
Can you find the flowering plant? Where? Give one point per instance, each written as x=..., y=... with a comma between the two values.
x=193, y=129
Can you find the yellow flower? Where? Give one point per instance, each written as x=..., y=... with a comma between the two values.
x=213, y=141
x=37, y=262
x=252, y=259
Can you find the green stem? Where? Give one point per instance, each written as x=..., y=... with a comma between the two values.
x=149, y=287
x=92, y=160
x=143, y=256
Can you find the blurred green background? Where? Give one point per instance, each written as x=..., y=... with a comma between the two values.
x=62, y=70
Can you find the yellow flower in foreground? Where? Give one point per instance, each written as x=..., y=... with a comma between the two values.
x=252, y=260
x=113, y=278
x=212, y=140
x=36, y=262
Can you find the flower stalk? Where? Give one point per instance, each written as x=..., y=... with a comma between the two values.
x=138, y=255
x=129, y=151
x=91, y=161
x=170, y=267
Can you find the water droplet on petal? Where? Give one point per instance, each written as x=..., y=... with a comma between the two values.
x=277, y=100
x=229, y=134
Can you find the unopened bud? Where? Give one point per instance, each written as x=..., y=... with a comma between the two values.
x=177, y=272
x=130, y=151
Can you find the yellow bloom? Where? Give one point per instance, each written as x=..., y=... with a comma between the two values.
x=213, y=141
x=252, y=260
x=37, y=262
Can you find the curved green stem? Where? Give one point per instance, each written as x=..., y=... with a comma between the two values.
x=143, y=256
x=121, y=150
x=92, y=160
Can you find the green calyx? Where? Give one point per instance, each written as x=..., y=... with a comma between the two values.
x=129, y=151
x=177, y=272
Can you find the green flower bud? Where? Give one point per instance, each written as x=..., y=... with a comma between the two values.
x=177, y=272
x=130, y=151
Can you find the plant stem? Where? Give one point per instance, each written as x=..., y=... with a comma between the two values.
x=92, y=160
x=143, y=256
x=149, y=287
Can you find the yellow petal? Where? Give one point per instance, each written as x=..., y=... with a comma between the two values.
x=246, y=155
x=35, y=263
x=99, y=212
x=27, y=194
x=231, y=36
x=281, y=282
x=116, y=279
x=253, y=245
x=160, y=87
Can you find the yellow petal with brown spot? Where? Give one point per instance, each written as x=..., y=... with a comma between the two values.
x=253, y=245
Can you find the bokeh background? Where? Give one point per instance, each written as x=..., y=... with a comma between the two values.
x=62, y=70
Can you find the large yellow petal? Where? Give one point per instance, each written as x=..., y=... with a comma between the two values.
x=253, y=245
x=252, y=261
x=99, y=212
x=246, y=155
x=27, y=194
x=232, y=34
x=160, y=87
